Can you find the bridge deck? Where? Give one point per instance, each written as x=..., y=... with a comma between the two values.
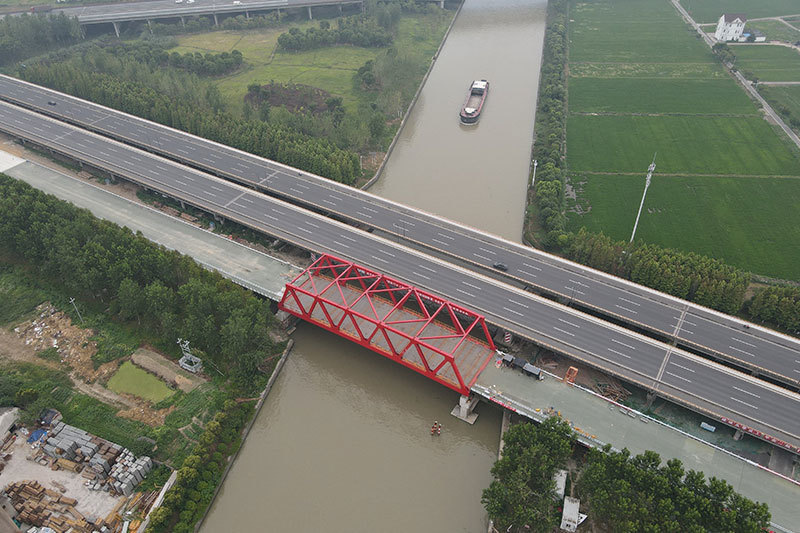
x=469, y=355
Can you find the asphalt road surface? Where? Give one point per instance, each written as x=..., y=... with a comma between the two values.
x=756, y=348
x=713, y=389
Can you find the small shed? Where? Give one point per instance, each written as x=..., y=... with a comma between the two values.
x=571, y=517
x=561, y=483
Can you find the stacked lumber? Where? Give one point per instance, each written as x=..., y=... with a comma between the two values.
x=43, y=507
x=612, y=389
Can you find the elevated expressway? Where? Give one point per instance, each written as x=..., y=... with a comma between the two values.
x=688, y=379
x=756, y=349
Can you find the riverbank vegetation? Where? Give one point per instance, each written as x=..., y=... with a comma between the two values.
x=739, y=212
x=619, y=492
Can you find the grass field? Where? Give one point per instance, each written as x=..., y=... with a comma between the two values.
x=133, y=380
x=768, y=63
x=722, y=217
x=645, y=95
x=775, y=30
x=787, y=96
x=685, y=144
x=710, y=10
x=330, y=68
x=632, y=31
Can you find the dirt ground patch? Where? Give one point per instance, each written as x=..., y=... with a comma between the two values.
x=166, y=369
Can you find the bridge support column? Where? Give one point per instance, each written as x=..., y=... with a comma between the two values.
x=183, y=206
x=340, y=8
x=441, y=4
x=216, y=22
x=247, y=14
x=183, y=22
x=464, y=409
x=116, y=28
x=651, y=396
x=738, y=435
x=309, y=13
x=150, y=26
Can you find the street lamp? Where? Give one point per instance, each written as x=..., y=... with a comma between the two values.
x=533, y=179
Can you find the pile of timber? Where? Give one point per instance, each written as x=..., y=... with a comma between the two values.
x=612, y=389
x=43, y=507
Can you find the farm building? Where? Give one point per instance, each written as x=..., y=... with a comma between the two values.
x=730, y=27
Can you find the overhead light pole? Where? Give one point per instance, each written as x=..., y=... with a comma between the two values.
x=650, y=170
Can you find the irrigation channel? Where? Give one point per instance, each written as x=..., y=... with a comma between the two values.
x=343, y=441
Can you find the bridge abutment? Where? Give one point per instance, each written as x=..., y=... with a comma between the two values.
x=464, y=409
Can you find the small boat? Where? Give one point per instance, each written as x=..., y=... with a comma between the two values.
x=471, y=110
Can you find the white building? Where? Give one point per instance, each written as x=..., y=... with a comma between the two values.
x=730, y=27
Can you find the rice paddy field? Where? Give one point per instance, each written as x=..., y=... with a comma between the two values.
x=641, y=82
x=710, y=10
x=768, y=63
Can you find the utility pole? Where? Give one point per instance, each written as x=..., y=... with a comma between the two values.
x=533, y=179
x=72, y=301
x=650, y=170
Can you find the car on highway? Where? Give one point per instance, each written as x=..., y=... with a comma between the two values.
x=500, y=266
x=51, y=102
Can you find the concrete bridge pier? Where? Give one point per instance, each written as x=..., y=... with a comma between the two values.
x=340, y=8
x=441, y=4
x=309, y=13
x=150, y=26
x=216, y=22
x=247, y=14
x=116, y=28
x=183, y=22
x=464, y=409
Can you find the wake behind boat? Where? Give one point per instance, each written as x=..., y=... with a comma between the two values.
x=471, y=110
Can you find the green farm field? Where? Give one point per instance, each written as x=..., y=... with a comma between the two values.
x=787, y=96
x=330, y=68
x=722, y=217
x=775, y=30
x=632, y=31
x=685, y=144
x=646, y=95
x=710, y=10
x=131, y=379
x=768, y=63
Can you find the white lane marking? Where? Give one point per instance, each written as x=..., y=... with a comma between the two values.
x=270, y=217
x=687, y=322
x=216, y=188
x=578, y=283
x=679, y=377
x=207, y=160
x=347, y=237
x=182, y=183
x=683, y=367
x=189, y=178
x=329, y=202
x=746, y=392
x=687, y=331
x=526, y=273
x=301, y=185
x=429, y=269
x=381, y=259
x=370, y=209
x=312, y=224
x=295, y=190
x=623, y=344
x=363, y=214
x=208, y=193
x=390, y=254
x=341, y=244
x=743, y=402
x=570, y=323
x=738, y=350
x=630, y=301
x=445, y=236
x=135, y=158
x=573, y=289
x=612, y=350
x=478, y=288
x=487, y=251
x=482, y=257
x=564, y=332
x=532, y=266
x=518, y=303
x=304, y=229
x=337, y=198
x=465, y=292
x=421, y=275
x=406, y=222
x=512, y=311
x=626, y=309
x=440, y=242
x=743, y=342
x=248, y=200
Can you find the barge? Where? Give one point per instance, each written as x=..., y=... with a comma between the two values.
x=476, y=97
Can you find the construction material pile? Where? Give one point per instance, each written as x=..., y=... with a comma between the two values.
x=113, y=468
x=43, y=507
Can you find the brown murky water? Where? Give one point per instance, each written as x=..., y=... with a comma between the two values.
x=477, y=174
x=343, y=444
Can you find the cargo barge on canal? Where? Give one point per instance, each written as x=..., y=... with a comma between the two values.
x=471, y=110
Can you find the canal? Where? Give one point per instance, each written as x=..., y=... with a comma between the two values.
x=477, y=174
x=343, y=442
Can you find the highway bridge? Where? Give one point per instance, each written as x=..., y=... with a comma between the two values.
x=722, y=393
x=758, y=350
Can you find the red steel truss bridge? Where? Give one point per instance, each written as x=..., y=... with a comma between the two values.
x=437, y=338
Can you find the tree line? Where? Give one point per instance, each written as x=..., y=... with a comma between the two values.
x=621, y=493
x=632, y=494
x=186, y=501
x=779, y=306
x=26, y=35
x=138, y=281
x=359, y=31
x=184, y=103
